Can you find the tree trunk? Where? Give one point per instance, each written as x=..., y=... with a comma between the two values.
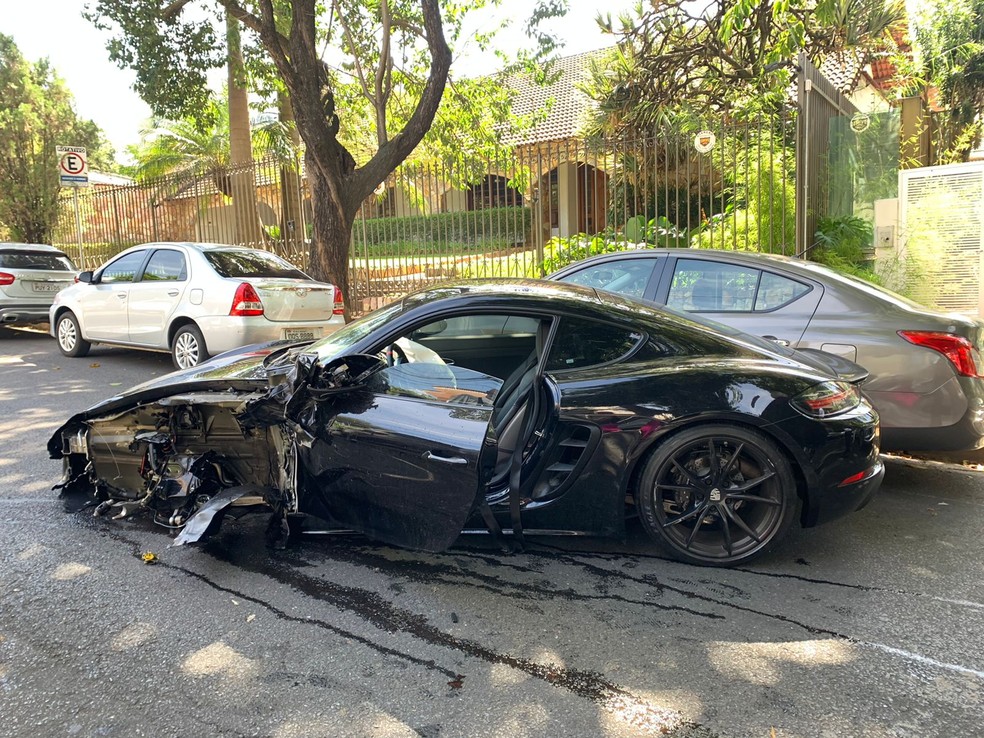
x=248, y=230
x=291, y=212
x=332, y=235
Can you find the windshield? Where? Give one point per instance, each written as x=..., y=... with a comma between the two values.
x=341, y=341
x=240, y=263
x=36, y=260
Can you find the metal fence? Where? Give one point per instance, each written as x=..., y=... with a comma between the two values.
x=727, y=185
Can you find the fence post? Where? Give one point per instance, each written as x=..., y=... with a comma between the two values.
x=78, y=224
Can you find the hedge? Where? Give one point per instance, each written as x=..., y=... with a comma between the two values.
x=508, y=225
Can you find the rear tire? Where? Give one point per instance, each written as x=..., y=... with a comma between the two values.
x=188, y=347
x=717, y=495
x=68, y=334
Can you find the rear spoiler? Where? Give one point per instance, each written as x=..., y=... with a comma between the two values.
x=844, y=369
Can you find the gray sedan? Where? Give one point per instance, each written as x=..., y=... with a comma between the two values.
x=925, y=367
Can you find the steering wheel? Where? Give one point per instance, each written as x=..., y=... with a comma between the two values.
x=394, y=355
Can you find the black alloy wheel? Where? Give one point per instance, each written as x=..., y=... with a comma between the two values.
x=717, y=495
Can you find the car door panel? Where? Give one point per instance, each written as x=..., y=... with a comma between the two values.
x=154, y=299
x=402, y=470
x=102, y=306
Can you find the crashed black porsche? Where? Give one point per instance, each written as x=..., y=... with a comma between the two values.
x=509, y=406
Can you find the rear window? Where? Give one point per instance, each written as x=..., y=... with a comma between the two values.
x=580, y=343
x=241, y=264
x=36, y=260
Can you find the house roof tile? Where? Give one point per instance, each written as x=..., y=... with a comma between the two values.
x=563, y=102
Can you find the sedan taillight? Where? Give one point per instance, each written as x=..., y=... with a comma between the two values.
x=957, y=349
x=246, y=302
x=6, y=278
x=339, y=307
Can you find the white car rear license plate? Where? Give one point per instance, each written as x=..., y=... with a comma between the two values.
x=48, y=286
x=298, y=335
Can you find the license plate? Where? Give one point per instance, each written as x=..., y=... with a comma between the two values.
x=298, y=335
x=48, y=286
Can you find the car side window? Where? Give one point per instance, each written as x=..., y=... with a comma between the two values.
x=123, y=269
x=165, y=265
x=712, y=286
x=627, y=277
x=478, y=325
x=581, y=343
x=436, y=381
x=776, y=291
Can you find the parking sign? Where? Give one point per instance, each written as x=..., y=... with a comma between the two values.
x=73, y=166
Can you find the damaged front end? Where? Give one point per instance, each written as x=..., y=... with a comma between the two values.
x=189, y=454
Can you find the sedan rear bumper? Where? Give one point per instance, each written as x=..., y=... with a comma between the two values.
x=225, y=333
x=966, y=434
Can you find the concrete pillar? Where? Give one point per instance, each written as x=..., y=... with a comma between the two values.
x=567, y=199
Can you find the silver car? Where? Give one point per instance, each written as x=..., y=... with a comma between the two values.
x=31, y=274
x=924, y=366
x=194, y=300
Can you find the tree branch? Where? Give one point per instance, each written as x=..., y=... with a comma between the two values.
x=398, y=148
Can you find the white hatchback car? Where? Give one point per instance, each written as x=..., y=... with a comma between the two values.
x=194, y=300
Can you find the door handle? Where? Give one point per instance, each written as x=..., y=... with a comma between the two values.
x=780, y=341
x=172, y=293
x=431, y=456
x=121, y=295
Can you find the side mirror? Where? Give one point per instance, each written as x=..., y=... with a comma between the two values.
x=85, y=277
x=347, y=372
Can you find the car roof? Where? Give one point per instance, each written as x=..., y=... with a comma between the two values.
x=795, y=266
x=33, y=247
x=198, y=246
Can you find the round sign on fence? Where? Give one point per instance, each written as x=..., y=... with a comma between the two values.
x=704, y=141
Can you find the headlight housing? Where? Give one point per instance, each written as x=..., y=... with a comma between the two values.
x=827, y=399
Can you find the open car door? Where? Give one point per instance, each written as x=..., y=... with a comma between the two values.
x=404, y=457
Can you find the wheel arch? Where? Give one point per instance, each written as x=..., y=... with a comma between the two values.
x=178, y=323
x=59, y=312
x=784, y=443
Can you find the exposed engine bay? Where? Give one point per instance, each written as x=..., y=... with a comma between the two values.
x=187, y=460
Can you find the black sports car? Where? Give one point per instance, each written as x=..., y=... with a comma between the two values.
x=507, y=405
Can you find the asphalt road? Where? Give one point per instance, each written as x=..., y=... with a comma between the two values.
x=870, y=626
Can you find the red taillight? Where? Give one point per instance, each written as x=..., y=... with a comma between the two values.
x=339, y=307
x=827, y=399
x=957, y=349
x=246, y=301
x=6, y=279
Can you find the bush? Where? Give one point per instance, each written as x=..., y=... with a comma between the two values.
x=845, y=243
x=467, y=231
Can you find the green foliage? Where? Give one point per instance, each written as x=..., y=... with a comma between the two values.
x=36, y=114
x=461, y=232
x=561, y=251
x=730, y=55
x=950, y=37
x=171, y=55
x=655, y=232
x=760, y=216
x=845, y=243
